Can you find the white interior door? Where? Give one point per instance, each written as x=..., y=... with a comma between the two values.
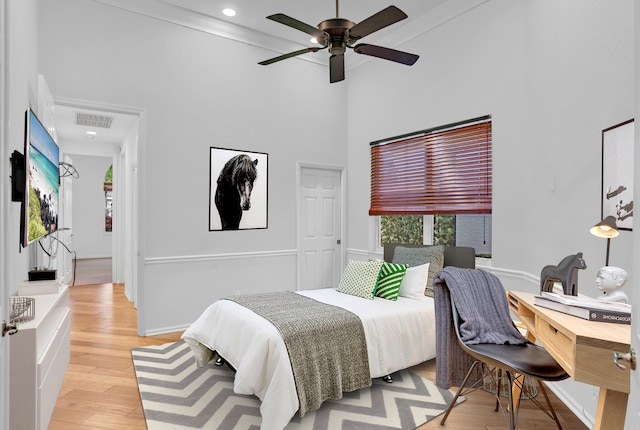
x=633, y=413
x=319, y=227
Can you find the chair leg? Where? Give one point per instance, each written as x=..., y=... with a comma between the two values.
x=455, y=398
x=552, y=412
x=512, y=413
x=499, y=389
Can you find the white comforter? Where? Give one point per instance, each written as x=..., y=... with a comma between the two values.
x=399, y=334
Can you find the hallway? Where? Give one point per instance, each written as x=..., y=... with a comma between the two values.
x=93, y=271
x=99, y=389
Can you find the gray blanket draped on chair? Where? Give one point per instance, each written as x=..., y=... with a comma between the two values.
x=482, y=305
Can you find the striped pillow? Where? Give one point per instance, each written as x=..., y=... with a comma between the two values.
x=389, y=280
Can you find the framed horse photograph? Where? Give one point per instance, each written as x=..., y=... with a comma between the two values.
x=237, y=189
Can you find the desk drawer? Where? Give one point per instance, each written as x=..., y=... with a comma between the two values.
x=558, y=345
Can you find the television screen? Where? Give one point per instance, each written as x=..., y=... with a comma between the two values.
x=40, y=203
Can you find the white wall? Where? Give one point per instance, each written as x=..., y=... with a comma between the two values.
x=89, y=238
x=19, y=64
x=21, y=93
x=553, y=75
x=197, y=91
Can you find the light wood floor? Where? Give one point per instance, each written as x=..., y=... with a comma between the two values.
x=93, y=271
x=100, y=392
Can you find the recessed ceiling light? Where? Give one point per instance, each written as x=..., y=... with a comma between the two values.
x=91, y=133
x=229, y=12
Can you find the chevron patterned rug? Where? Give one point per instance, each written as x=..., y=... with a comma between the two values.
x=177, y=395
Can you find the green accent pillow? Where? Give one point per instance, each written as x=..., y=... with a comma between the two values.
x=389, y=281
x=360, y=278
x=434, y=255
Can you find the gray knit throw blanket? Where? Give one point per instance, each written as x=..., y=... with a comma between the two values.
x=483, y=309
x=326, y=344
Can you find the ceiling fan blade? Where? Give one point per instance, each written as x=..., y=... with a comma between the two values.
x=377, y=21
x=386, y=53
x=289, y=55
x=336, y=68
x=320, y=36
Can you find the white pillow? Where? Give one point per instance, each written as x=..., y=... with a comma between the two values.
x=414, y=281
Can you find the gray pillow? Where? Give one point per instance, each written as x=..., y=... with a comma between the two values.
x=432, y=254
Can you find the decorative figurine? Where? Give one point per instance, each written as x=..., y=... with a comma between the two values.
x=610, y=281
x=566, y=272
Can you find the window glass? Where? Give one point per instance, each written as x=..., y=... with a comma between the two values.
x=453, y=230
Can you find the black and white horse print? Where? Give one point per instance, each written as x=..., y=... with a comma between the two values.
x=233, y=194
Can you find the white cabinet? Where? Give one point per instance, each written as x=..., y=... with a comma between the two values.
x=40, y=353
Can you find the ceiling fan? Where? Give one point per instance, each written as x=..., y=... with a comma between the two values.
x=338, y=34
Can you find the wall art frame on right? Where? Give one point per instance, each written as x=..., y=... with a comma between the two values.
x=617, y=173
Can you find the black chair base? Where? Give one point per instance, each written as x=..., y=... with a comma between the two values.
x=509, y=413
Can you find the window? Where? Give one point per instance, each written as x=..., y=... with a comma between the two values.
x=108, y=200
x=434, y=186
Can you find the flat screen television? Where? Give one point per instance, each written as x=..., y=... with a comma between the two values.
x=42, y=183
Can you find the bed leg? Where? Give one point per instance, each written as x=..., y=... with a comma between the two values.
x=387, y=379
x=219, y=361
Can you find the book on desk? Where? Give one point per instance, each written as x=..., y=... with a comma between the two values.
x=585, y=307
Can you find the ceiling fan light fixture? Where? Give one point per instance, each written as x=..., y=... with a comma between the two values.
x=338, y=34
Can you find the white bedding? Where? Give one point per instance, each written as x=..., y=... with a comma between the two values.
x=399, y=334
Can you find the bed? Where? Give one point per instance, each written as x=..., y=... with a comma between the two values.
x=399, y=332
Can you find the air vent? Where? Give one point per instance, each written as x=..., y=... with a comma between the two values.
x=93, y=120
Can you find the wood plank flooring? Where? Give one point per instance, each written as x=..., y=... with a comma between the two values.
x=93, y=271
x=100, y=392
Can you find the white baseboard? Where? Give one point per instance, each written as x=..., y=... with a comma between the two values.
x=577, y=409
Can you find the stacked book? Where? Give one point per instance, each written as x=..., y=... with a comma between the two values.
x=586, y=307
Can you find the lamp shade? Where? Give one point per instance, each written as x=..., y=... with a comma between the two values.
x=606, y=228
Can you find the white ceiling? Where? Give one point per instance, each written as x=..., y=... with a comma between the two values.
x=106, y=141
x=251, y=26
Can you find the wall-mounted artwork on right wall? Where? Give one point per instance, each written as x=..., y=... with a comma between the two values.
x=617, y=173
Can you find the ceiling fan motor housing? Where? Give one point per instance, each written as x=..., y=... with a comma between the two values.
x=337, y=29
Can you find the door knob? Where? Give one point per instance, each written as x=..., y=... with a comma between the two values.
x=628, y=356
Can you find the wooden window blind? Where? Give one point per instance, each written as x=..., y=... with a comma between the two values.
x=439, y=171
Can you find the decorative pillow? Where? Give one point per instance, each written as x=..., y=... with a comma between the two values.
x=414, y=282
x=360, y=278
x=434, y=255
x=391, y=275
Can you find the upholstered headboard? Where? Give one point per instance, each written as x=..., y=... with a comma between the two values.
x=459, y=256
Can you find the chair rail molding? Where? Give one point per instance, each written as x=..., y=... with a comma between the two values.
x=217, y=257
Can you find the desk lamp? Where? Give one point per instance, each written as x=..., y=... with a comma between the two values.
x=610, y=280
x=606, y=228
